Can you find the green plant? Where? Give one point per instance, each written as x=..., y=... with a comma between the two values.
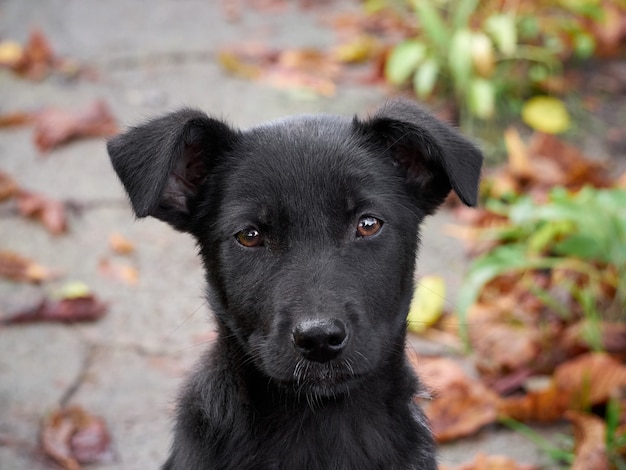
x=579, y=238
x=491, y=56
x=463, y=49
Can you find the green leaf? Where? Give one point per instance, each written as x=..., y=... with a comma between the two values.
x=432, y=23
x=503, y=259
x=582, y=246
x=546, y=114
x=464, y=12
x=460, y=59
x=425, y=78
x=403, y=61
x=501, y=27
x=482, y=98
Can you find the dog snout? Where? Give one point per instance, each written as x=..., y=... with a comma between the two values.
x=320, y=340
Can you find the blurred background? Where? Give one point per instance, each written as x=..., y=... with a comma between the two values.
x=518, y=325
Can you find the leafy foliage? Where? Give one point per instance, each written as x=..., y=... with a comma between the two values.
x=582, y=233
x=486, y=53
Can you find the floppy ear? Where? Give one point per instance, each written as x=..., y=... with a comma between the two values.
x=164, y=162
x=435, y=157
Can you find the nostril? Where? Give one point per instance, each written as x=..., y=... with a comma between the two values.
x=320, y=340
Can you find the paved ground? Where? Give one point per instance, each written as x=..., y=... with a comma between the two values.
x=150, y=57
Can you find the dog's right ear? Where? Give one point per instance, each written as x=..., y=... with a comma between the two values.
x=164, y=162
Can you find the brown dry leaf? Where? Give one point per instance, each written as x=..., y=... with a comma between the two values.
x=22, y=269
x=490, y=462
x=8, y=186
x=561, y=163
x=547, y=405
x=590, y=442
x=85, y=308
x=54, y=127
x=37, y=58
x=591, y=379
x=519, y=162
x=461, y=405
x=72, y=436
x=303, y=68
x=16, y=119
x=120, y=244
x=121, y=272
x=501, y=348
x=49, y=212
x=612, y=338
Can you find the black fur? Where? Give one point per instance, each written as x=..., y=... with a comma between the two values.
x=308, y=371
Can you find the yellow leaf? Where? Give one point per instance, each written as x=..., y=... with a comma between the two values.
x=73, y=290
x=428, y=302
x=546, y=114
x=10, y=53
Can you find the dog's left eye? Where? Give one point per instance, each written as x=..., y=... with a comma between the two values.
x=368, y=226
x=249, y=237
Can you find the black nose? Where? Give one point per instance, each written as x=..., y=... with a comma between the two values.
x=320, y=340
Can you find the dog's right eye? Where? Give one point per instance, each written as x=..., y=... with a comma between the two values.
x=249, y=237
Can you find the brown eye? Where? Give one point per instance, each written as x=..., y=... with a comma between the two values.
x=250, y=238
x=368, y=226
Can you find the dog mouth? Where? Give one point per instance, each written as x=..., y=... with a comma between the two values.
x=328, y=379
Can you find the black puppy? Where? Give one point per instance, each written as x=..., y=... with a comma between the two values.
x=308, y=230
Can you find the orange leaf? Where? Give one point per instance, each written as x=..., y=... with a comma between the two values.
x=519, y=161
x=545, y=406
x=591, y=379
x=590, y=443
x=461, y=406
x=122, y=272
x=8, y=186
x=120, y=244
x=19, y=268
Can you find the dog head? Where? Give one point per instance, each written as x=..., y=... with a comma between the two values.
x=307, y=227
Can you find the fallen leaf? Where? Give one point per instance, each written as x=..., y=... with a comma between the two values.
x=49, y=212
x=490, y=462
x=72, y=436
x=122, y=272
x=589, y=442
x=612, y=338
x=519, y=163
x=8, y=186
x=546, y=405
x=546, y=114
x=120, y=244
x=572, y=168
x=591, y=379
x=54, y=127
x=427, y=305
x=360, y=49
x=16, y=119
x=36, y=59
x=67, y=310
x=461, y=405
x=22, y=269
x=501, y=348
x=11, y=53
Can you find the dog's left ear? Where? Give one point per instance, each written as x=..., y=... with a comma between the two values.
x=435, y=157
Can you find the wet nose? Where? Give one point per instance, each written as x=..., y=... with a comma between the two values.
x=320, y=340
